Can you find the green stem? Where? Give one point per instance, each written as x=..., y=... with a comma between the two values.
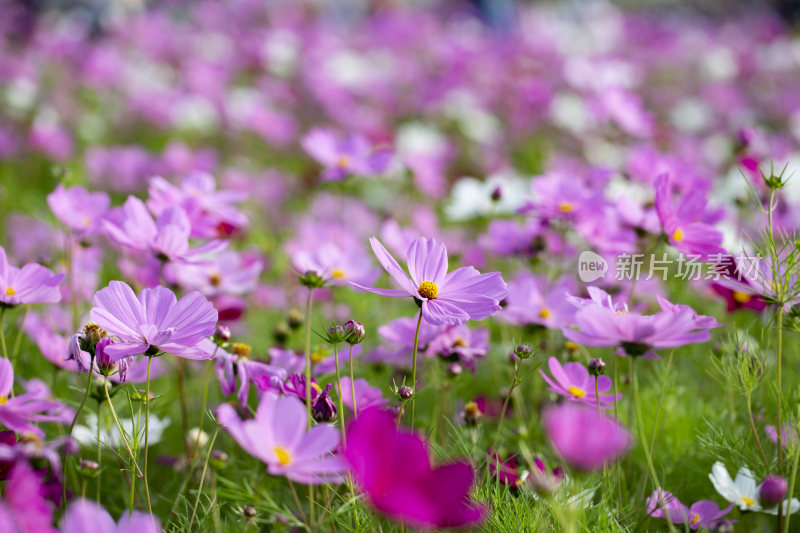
x=119, y=428
x=779, y=350
x=657, y=421
x=18, y=338
x=184, y=408
x=202, y=480
x=97, y=487
x=339, y=390
x=353, y=384
x=3, y=331
x=147, y=434
x=74, y=419
x=309, y=301
x=505, y=406
x=755, y=432
x=414, y=366
x=790, y=493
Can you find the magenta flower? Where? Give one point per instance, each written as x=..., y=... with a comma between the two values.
x=166, y=238
x=345, y=157
x=24, y=508
x=78, y=209
x=705, y=513
x=155, y=320
x=573, y=381
x=584, y=437
x=634, y=334
x=277, y=436
x=366, y=395
x=31, y=284
x=20, y=411
x=393, y=469
x=446, y=298
x=686, y=224
x=86, y=516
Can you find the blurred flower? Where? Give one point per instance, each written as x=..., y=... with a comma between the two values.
x=366, y=396
x=86, y=435
x=78, y=209
x=35, y=405
x=84, y=515
x=343, y=157
x=705, y=513
x=278, y=437
x=743, y=491
x=534, y=300
x=24, y=508
x=31, y=284
x=573, y=381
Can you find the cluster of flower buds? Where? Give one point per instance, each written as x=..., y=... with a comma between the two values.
x=351, y=332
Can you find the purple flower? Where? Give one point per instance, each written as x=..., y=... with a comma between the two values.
x=573, y=381
x=167, y=237
x=31, y=284
x=366, y=395
x=636, y=335
x=446, y=298
x=78, y=209
x=84, y=516
x=584, y=437
x=788, y=434
x=19, y=412
x=227, y=272
x=352, y=155
x=278, y=437
x=155, y=320
x=533, y=300
x=24, y=509
x=460, y=344
x=229, y=366
x=685, y=224
x=705, y=513
x=393, y=469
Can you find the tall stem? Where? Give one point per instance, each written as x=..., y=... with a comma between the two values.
x=657, y=421
x=147, y=434
x=755, y=432
x=18, y=338
x=3, y=330
x=779, y=350
x=97, y=486
x=339, y=390
x=202, y=479
x=796, y=452
x=414, y=366
x=184, y=408
x=119, y=428
x=353, y=384
x=505, y=407
x=309, y=300
x=74, y=419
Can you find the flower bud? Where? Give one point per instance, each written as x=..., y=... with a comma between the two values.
x=102, y=360
x=89, y=465
x=354, y=331
x=294, y=319
x=324, y=409
x=523, y=351
x=335, y=334
x=497, y=194
x=455, y=369
x=544, y=483
x=218, y=459
x=772, y=491
x=597, y=367
x=281, y=332
x=472, y=413
x=250, y=511
x=312, y=279
x=404, y=392
x=222, y=333
x=197, y=436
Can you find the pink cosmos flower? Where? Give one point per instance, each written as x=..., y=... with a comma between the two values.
x=167, y=237
x=78, y=209
x=155, y=320
x=278, y=437
x=573, y=381
x=686, y=224
x=211, y=212
x=86, y=516
x=227, y=272
x=230, y=366
x=584, y=437
x=634, y=334
x=534, y=300
x=705, y=513
x=31, y=284
x=20, y=411
x=460, y=344
x=24, y=509
x=446, y=298
x=366, y=395
x=393, y=469
x=352, y=155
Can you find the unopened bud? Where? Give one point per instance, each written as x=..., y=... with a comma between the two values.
x=772, y=491
x=354, y=331
x=250, y=511
x=472, y=413
x=597, y=367
x=222, y=333
x=523, y=351
x=404, y=392
x=281, y=332
x=294, y=319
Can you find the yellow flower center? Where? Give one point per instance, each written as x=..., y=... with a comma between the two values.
x=677, y=235
x=10, y=291
x=241, y=349
x=316, y=357
x=87, y=221
x=566, y=207
x=544, y=313
x=742, y=297
x=748, y=501
x=459, y=342
x=571, y=346
x=428, y=289
x=315, y=387
x=695, y=519
x=3, y=400
x=621, y=312
x=337, y=273
x=284, y=457
x=343, y=161
x=214, y=279
x=576, y=391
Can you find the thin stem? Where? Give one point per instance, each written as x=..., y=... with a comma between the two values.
x=755, y=432
x=184, y=408
x=353, y=384
x=505, y=406
x=74, y=419
x=3, y=331
x=791, y=481
x=97, y=488
x=779, y=350
x=339, y=389
x=119, y=428
x=309, y=301
x=147, y=434
x=18, y=338
x=414, y=366
x=297, y=501
x=202, y=479
x=657, y=421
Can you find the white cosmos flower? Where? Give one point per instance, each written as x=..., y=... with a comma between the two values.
x=87, y=435
x=743, y=490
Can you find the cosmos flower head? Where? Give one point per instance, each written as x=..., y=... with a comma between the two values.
x=31, y=284
x=345, y=156
x=83, y=514
x=409, y=491
x=154, y=321
x=445, y=298
x=78, y=209
x=366, y=395
x=743, y=490
x=277, y=436
x=584, y=437
x=705, y=513
x=572, y=380
x=535, y=300
x=23, y=507
x=19, y=412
